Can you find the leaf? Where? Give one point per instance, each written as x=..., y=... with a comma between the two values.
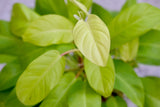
x=74, y=10
x=8, y=45
x=3, y=97
x=129, y=83
x=80, y=6
x=51, y=7
x=129, y=24
x=105, y=77
x=9, y=75
x=102, y=13
x=93, y=40
x=58, y=96
x=128, y=51
x=12, y=100
x=21, y=18
x=83, y=96
x=4, y=28
x=115, y=102
x=40, y=77
x=48, y=30
x=128, y=4
x=152, y=95
x=149, y=48
x=4, y=58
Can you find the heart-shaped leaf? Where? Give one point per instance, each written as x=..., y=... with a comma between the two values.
x=93, y=40
x=40, y=77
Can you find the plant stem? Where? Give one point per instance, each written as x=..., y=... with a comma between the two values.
x=79, y=73
x=70, y=51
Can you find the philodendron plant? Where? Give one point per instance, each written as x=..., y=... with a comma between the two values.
x=78, y=54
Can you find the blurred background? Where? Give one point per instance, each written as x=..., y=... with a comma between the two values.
x=114, y=5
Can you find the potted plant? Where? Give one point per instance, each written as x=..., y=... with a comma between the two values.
x=61, y=55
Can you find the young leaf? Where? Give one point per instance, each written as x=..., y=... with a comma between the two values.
x=115, y=102
x=51, y=7
x=102, y=13
x=12, y=100
x=40, y=77
x=129, y=83
x=93, y=40
x=152, y=93
x=149, y=50
x=49, y=29
x=83, y=96
x=22, y=16
x=129, y=24
x=129, y=50
x=128, y=4
x=73, y=9
x=80, y=6
x=105, y=77
x=9, y=75
x=58, y=96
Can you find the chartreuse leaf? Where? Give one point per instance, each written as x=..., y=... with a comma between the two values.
x=115, y=102
x=4, y=58
x=12, y=100
x=129, y=24
x=58, y=96
x=129, y=83
x=40, y=77
x=152, y=93
x=93, y=40
x=149, y=50
x=22, y=16
x=74, y=9
x=129, y=50
x=51, y=7
x=82, y=95
x=128, y=4
x=105, y=77
x=9, y=75
x=49, y=29
x=4, y=28
x=102, y=13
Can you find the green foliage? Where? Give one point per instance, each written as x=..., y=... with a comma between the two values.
x=128, y=82
x=48, y=30
x=92, y=39
x=105, y=77
x=129, y=24
x=152, y=95
x=115, y=102
x=42, y=75
x=83, y=96
x=149, y=50
x=37, y=50
x=51, y=7
x=22, y=16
